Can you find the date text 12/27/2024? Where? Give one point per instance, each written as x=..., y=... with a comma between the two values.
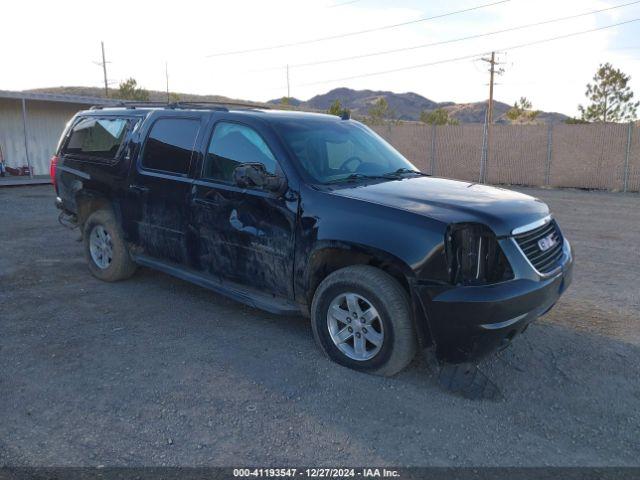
x=316, y=472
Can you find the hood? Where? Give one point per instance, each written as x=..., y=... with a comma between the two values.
x=452, y=201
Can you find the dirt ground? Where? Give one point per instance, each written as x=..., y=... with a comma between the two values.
x=155, y=371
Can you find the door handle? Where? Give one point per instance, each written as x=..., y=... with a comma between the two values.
x=210, y=198
x=139, y=188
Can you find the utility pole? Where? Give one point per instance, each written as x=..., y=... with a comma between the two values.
x=492, y=71
x=104, y=70
x=489, y=117
x=288, y=91
x=166, y=74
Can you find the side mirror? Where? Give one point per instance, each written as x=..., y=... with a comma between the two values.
x=252, y=175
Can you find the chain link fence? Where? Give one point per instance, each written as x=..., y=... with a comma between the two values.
x=604, y=156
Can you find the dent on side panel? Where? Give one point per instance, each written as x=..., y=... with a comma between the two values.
x=416, y=243
x=246, y=238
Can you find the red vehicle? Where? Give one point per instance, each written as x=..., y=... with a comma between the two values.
x=2, y=168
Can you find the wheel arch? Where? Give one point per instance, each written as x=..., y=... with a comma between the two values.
x=329, y=256
x=91, y=200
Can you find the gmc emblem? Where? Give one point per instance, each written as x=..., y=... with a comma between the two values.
x=547, y=242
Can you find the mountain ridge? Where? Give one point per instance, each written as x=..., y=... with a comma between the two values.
x=409, y=105
x=403, y=106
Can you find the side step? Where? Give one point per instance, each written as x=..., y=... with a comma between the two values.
x=269, y=303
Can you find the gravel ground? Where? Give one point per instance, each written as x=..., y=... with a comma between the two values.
x=155, y=371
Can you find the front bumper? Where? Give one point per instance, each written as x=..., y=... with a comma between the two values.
x=469, y=322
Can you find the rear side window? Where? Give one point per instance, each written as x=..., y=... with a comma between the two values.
x=170, y=145
x=231, y=145
x=97, y=137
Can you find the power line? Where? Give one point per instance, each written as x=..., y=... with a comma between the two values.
x=467, y=57
x=359, y=32
x=454, y=40
x=349, y=2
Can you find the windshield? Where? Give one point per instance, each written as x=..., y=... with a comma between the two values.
x=331, y=151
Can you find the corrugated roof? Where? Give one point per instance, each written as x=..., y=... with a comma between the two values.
x=56, y=97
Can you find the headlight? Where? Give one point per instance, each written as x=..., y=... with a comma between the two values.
x=474, y=256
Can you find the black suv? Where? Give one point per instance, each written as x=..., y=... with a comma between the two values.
x=308, y=213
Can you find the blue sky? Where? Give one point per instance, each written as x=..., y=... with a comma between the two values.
x=49, y=50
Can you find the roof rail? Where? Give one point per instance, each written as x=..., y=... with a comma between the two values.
x=130, y=104
x=230, y=104
x=180, y=104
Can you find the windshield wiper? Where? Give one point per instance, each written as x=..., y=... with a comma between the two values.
x=404, y=170
x=385, y=176
x=359, y=176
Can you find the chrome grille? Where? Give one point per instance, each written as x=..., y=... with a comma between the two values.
x=544, y=261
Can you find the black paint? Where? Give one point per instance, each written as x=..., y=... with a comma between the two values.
x=276, y=246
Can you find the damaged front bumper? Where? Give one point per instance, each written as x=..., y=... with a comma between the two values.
x=469, y=322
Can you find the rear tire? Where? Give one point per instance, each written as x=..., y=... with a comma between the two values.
x=105, y=250
x=361, y=318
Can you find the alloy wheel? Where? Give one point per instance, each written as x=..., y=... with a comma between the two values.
x=355, y=326
x=101, y=247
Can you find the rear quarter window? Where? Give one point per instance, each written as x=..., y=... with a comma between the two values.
x=97, y=138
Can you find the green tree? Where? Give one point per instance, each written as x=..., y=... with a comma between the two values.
x=336, y=108
x=286, y=101
x=129, y=90
x=379, y=112
x=522, y=112
x=174, y=97
x=438, y=116
x=610, y=96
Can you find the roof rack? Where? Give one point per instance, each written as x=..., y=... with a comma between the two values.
x=231, y=104
x=131, y=104
x=181, y=105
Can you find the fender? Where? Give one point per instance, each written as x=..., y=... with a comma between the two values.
x=333, y=233
x=328, y=256
x=327, y=251
x=413, y=242
x=90, y=200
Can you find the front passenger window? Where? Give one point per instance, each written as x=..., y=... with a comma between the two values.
x=231, y=145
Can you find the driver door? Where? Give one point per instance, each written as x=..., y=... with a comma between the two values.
x=243, y=235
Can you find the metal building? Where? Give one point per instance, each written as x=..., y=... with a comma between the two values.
x=31, y=124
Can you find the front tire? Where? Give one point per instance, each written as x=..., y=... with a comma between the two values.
x=361, y=318
x=105, y=249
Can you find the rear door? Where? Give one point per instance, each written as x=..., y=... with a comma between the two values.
x=161, y=185
x=244, y=235
x=91, y=154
